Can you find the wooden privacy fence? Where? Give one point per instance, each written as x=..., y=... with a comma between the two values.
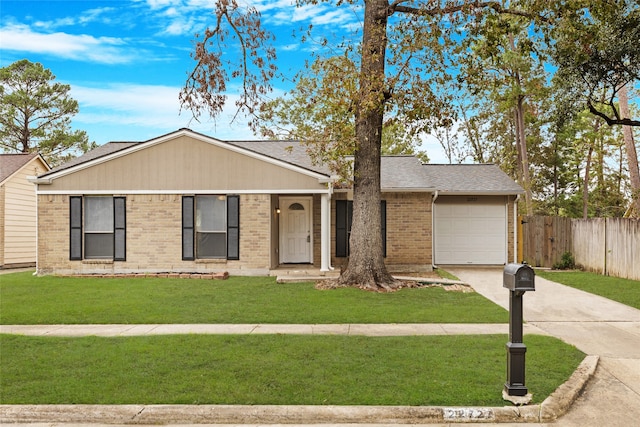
x=544, y=239
x=608, y=246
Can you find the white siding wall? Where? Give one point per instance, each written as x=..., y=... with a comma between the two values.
x=20, y=216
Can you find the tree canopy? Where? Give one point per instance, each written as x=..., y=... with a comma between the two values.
x=35, y=113
x=479, y=67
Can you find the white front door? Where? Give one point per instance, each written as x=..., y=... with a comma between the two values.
x=295, y=230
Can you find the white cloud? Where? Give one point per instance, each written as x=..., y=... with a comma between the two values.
x=84, y=47
x=84, y=18
x=158, y=4
x=93, y=15
x=133, y=110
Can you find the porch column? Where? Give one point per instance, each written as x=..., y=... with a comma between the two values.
x=325, y=232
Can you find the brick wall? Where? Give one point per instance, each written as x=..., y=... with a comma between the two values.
x=409, y=229
x=409, y=242
x=154, y=238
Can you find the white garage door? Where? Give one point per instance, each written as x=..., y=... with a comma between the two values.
x=470, y=230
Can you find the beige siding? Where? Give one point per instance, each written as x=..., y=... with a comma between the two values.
x=19, y=216
x=2, y=191
x=184, y=164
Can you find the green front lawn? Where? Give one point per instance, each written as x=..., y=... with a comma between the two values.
x=274, y=369
x=27, y=299
x=624, y=291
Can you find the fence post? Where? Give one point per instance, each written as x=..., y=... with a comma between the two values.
x=520, y=237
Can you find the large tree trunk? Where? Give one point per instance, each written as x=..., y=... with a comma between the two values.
x=366, y=266
x=521, y=139
x=632, y=155
x=521, y=144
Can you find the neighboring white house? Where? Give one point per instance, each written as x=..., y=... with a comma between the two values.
x=18, y=208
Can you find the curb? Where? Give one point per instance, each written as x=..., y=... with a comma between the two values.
x=552, y=408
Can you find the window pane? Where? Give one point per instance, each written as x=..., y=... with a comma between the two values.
x=211, y=213
x=98, y=214
x=211, y=245
x=98, y=245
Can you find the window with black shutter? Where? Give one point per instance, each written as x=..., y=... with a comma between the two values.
x=97, y=228
x=210, y=227
x=344, y=215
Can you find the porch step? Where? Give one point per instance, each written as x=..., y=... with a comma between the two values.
x=303, y=275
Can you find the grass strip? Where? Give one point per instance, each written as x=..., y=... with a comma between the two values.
x=274, y=369
x=27, y=299
x=625, y=291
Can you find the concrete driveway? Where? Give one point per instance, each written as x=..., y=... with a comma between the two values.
x=596, y=326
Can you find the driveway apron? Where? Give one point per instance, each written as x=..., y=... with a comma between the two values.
x=596, y=326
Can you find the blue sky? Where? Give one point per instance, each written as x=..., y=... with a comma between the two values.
x=127, y=60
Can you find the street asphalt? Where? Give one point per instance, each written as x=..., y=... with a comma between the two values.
x=604, y=391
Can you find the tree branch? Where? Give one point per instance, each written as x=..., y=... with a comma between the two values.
x=397, y=6
x=609, y=120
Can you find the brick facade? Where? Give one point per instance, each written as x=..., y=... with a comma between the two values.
x=154, y=239
x=409, y=241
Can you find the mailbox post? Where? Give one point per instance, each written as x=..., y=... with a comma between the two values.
x=518, y=278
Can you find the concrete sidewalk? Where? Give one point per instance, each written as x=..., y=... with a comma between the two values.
x=374, y=330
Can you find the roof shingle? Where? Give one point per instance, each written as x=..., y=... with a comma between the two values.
x=10, y=163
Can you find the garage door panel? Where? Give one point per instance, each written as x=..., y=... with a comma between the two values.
x=470, y=233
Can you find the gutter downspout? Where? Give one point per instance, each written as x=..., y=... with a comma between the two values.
x=36, y=181
x=433, y=229
x=35, y=273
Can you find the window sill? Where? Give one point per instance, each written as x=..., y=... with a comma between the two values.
x=97, y=261
x=211, y=261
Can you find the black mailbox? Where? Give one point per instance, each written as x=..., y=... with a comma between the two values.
x=519, y=277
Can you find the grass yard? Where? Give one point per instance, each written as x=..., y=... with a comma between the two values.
x=624, y=291
x=274, y=369
x=26, y=299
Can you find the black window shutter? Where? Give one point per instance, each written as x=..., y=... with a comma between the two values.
x=233, y=227
x=119, y=229
x=188, y=218
x=383, y=221
x=344, y=216
x=342, y=221
x=75, y=229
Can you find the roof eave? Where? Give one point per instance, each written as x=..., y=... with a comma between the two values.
x=480, y=193
x=408, y=190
